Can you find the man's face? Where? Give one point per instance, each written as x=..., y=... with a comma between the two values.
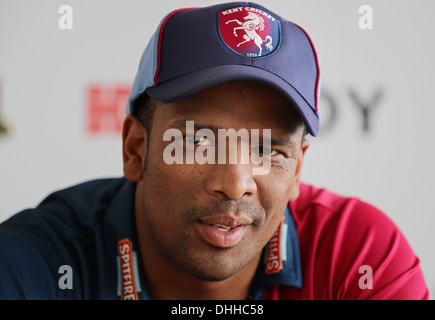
x=212, y=220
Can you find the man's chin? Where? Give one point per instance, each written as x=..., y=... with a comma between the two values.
x=221, y=265
x=214, y=275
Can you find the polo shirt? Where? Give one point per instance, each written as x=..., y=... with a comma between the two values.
x=81, y=243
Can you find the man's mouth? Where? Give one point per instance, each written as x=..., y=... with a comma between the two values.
x=221, y=227
x=223, y=231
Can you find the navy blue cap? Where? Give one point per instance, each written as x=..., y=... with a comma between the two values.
x=195, y=48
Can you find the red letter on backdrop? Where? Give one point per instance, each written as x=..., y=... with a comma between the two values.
x=106, y=108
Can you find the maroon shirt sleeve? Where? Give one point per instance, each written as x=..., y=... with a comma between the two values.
x=342, y=242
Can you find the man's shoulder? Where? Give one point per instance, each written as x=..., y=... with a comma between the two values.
x=343, y=220
x=340, y=236
x=83, y=204
x=323, y=204
x=61, y=230
x=84, y=196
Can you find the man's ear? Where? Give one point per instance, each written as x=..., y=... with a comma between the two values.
x=294, y=194
x=134, y=147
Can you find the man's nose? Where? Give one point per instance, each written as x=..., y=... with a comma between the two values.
x=232, y=181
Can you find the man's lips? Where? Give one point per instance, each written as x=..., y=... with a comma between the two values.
x=223, y=231
x=228, y=220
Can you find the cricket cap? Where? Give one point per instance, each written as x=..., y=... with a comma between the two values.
x=195, y=48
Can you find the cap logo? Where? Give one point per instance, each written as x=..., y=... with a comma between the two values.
x=249, y=31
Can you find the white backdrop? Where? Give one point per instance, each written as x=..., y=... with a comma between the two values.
x=46, y=73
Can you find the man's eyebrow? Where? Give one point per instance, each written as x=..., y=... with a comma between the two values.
x=181, y=124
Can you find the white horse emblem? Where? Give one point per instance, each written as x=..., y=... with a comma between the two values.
x=254, y=22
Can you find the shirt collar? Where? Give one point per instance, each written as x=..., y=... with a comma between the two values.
x=280, y=264
x=121, y=237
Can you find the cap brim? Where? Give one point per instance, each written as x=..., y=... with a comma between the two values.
x=193, y=82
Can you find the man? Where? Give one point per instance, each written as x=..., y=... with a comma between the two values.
x=211, y=205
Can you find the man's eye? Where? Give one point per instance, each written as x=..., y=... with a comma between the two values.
x=197, y=140
x=267, y=151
